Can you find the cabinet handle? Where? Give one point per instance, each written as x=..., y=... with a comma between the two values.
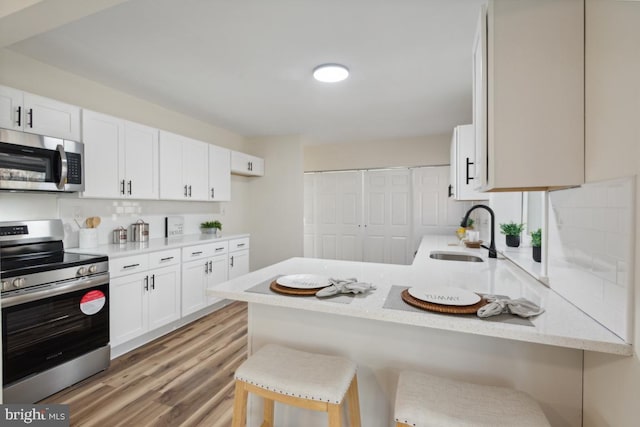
x=130, y=266
x=19, y=111
x=450, y=192
x=146, y=283
x=210, y=266
x=213, y=193
x=469, y=178
x=130, y=187
x=189, y=191
x=219, y=249
x=231, y=261
x=30, y=114
x=206, y=268
x=153, y=281
x=185, y=191
x=122, y=187
x=196, y=253
x=239, y=245
x=166, y=259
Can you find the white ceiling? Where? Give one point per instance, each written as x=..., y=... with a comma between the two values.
x=246, y=65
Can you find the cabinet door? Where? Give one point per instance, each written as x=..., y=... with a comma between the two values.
x=164, y=296
x=195, y=169
x=194, y=282
x=172, y=186
x=466, y=165
x=141, y=161
x=219, y=173
x=453, y=165
x=45, y=116
x=479, y=104
x=238, y=264
x=11, y=110
x=103, y=138
x=239, y=163
x=128, y=307
x=256, y=165
x=218, y=273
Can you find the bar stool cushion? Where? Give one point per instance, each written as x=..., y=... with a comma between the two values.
x=297, y=373
x=425, y=400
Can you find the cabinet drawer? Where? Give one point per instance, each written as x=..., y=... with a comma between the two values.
x=164, y=258
x=128, y=265
x=220, y=248
x=199, y=251
x=238, y=244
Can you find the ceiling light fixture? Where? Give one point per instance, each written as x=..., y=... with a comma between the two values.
x=330, y=73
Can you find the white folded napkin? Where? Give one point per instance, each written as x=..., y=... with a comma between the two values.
x=345, y=286
x=520, y=307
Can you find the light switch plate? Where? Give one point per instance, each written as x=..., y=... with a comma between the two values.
x=173, y=226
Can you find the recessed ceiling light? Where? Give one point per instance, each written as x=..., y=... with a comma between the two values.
x=330, y=73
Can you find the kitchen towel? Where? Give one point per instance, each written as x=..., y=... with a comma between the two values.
x=519, y=306
x=345, y=286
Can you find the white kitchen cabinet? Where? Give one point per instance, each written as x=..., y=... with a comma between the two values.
x=204, y=266
x=144, y=293
x=238, y=257
x=219, y=173
x=463, y=159
x=121, y=158
x=184, y=168
x=528, y=90
x=30, y=113
x=246, y=164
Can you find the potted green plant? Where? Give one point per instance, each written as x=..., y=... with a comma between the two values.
x=211, y=227
x=512, y=232
x=536, y=244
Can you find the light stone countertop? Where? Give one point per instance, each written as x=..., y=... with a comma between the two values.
x=562, y=324
x=154, y=245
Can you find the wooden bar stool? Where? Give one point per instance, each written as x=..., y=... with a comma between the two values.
x=424, y=400
x=306, y=380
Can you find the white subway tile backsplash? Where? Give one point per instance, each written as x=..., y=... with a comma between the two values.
x=591, y=244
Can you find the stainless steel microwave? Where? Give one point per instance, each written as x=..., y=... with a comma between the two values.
x=31, y=162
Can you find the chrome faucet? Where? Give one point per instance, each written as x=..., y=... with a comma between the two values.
x=492, y=245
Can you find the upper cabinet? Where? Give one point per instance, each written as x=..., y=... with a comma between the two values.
x=121, y=158
x=247, y=165
x=528, y=95
x=219, y=174
x=35, y=114
x=184, y=166
x=463, y=159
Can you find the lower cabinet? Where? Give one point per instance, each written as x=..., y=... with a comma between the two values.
x=238, y=257
x=144, y=300
x=203, y=266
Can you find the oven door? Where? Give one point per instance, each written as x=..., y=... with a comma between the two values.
x=53, y=325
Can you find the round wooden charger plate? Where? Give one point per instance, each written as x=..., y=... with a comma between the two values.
x=275, y=287
x=442, y=308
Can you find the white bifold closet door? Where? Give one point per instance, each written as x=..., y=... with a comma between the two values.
x=359, y=216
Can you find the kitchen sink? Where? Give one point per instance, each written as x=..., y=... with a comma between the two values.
x=455, y=256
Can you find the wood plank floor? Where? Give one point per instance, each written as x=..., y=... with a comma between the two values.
x=182, y=379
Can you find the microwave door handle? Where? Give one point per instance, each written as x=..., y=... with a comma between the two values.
x=63, y=167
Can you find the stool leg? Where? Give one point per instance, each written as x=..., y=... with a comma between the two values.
x=335, y=415
x=240, y=405
x=268, y=412
x=353, y=403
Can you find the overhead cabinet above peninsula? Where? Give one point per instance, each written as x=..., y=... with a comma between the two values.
x=528, y=95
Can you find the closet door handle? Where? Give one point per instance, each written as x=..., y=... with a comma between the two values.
x=450, y=192
x=19, y=121
x=30, y=114
x=469, y=163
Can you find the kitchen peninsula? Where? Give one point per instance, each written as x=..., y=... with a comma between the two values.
x=542, y=357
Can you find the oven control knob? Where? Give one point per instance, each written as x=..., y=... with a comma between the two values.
x=93, y=269
x=5, y=285
x=18, y=283
x=82, y=271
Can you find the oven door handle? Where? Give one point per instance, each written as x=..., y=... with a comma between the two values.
x=63, y=167
x=74, y=285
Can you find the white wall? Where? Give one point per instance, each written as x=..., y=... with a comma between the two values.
x=275, y=201
x=431, y=150
x=611, y=383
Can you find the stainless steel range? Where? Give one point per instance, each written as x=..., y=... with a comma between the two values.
x=55, y=311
